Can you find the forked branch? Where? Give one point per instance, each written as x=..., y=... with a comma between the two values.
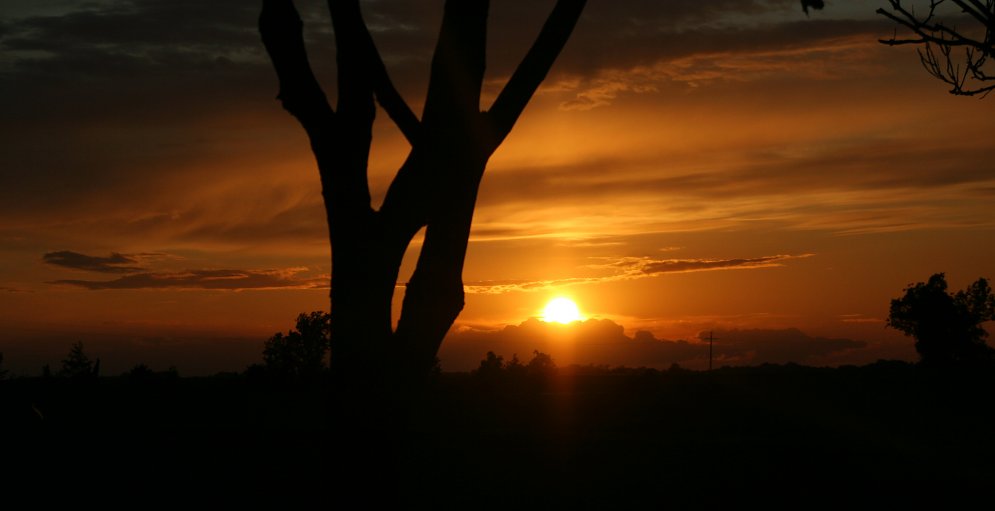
x=281, y=29
x=967, y=75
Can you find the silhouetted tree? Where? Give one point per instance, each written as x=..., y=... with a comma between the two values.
x=514, y=367
x=814, y=4
x=299, y=355
x=435, y=188
x=947, y=327
x=3, y=372
x=491, y=366
x=139, y=372
x=941, y=43
x=78, y=365
x=541, y=364
x=144, y=373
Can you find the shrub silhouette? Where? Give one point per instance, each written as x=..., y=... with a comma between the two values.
x=947, y=327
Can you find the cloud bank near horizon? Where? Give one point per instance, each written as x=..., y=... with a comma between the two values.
x=603, y=342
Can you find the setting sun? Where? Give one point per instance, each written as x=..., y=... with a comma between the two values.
x=561, y=310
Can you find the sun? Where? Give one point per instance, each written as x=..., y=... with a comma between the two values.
x=561, y=310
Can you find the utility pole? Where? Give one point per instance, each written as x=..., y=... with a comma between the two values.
x=710, y=339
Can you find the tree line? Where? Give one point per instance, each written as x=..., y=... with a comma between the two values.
x=948, y=329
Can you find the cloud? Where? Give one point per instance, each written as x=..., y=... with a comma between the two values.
x=820, y=59
x=140, y=275
x=655, y=267
x=859, y=319
x=601, y=341
x=176, y=88
x=631, y=268
x=114, y=263
x=739, y=347
x=233, y=280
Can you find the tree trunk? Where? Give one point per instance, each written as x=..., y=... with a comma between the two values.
x=435, y=188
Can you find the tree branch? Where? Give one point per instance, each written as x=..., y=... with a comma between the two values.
x=347, y=14
x=457, y=74
x=450, y=151
x=281, y=29
x=967, y=78
x=976, y=10
x=534, y=67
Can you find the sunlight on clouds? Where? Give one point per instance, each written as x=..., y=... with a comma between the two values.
x=829, y=59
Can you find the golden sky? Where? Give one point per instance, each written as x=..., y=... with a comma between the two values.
x=687, y=166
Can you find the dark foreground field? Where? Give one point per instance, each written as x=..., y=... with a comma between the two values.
x=889, y=432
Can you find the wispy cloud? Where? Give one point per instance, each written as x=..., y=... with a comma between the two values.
x=654, y=267
x=858, y=318
x=114, y=263
x=630, y=268
x=830, y=58
x=142, y=275
x=232, y=280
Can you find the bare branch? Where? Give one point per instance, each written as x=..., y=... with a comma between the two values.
x=534, y=67
x=977, y=11
x=346, y=15
x=966, y=76
x=457, y=65
x=281, y=29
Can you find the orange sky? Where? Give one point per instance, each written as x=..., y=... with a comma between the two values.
x=708, y=166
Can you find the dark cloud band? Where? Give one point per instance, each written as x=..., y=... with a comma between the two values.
x=114, y=263
x=232, y=280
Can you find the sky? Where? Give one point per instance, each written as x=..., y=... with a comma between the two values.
x=734, y=167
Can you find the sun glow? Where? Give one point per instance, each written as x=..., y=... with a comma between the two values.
x=561, y=310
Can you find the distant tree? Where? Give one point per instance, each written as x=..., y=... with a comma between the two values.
x=3, y=372
x=514, y=367
x=541, y=364
x=299, y=355
x=491, y=366
x=78, y=365
x=947, y=327
x=955, y=55
x=139, y=372
x=143, y=373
